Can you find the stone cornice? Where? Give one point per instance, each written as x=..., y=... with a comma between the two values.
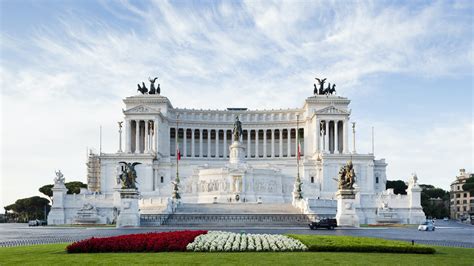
x=328, y=99
x=147, y=99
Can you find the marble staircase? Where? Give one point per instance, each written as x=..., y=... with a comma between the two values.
x=233, y=215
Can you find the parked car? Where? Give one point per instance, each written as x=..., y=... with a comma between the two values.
x=445, y=219
x=426, y=226
x=37, y=222
x=33, y=223
x=323, y=223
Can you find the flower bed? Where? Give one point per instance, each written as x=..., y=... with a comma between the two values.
x=226, y=241
x=151, y=242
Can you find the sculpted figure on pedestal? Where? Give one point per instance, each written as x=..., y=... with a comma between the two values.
x=143, y=89
x=128, y=177
x=321, y=85
x=347, y=176
x=59, y=179
x=237, y=131
x=152, y=85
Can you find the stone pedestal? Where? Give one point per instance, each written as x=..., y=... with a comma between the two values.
x=57, y=215
x=129, y=215
x=237, y=153
x=346, y=213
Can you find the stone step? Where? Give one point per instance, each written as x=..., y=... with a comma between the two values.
x=223, y=220
x=236, y=208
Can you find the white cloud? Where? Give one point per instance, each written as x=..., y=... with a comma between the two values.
x=65, y=79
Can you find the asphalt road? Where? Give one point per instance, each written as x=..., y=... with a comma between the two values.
x=449, y=233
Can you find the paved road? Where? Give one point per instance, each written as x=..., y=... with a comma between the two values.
x=447, y=233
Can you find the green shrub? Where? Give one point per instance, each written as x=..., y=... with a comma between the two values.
x=360, y=244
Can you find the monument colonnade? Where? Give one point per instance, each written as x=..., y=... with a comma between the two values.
x=211, y=142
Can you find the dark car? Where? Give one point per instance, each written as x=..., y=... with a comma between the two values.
x=323, y=223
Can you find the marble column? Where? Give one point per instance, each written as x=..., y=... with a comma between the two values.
x=185, y=143
x=345, y=137
x=137, y=136
x=273, y=142
x=288, y=152
x=193, y=150
x=336, y=139
x=264, y=143
x=280, y=152
x=249, y=140
x=318, y=131
x=209, y=143
x=128, y=134
x=156, y=132
x=326, y=138
x=217, y=143
x=200, y=142
x=256, y=143
x=224, y=152
x=146, y=142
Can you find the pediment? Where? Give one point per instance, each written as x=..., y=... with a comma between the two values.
x=140, y=110
x=331, y=110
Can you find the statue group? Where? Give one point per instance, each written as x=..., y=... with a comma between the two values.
x=324, y=91
x=347, y=176
x=128, y=177
x=153, y=90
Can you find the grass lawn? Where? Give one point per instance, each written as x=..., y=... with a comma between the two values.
x=55, y=254
x=360, y=244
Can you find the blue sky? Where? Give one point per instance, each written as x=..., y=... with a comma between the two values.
x=65, y=66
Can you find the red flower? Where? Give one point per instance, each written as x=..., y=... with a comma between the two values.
x=151, y=242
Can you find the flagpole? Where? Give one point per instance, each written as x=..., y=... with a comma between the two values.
x=298, y=145
x=297, y=195
x=177, y=149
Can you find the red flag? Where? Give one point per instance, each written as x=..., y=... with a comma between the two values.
x=178, y=152
x=299, y=150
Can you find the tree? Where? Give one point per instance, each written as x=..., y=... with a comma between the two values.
x=46, y=189
x=74, y=187
x=469, y=185
x=29, y=208
x=434, y=208
x=399, y=186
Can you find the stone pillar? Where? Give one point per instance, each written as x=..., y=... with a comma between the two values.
x=224, y=152
x=288, y=142
x=280, y=152
x=326, y=137
x=264, y=143
x=57, y=215
x=200, y=143
x=146, y=136
x=128, y=136
x=249, y=140
x=296, y=142
x=185, y=140
x=193, y=154
x=346, y=213
x=345, y=144
x=237, y=153
x=217, y=143
x=336, y=140
x=156, y=132
x=256, y=143
x=318, y=132
x=137, y=136
x=273, y=142
x=129, y=215
x=209, y=143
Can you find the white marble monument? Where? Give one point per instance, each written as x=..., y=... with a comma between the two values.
x=259, y=166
